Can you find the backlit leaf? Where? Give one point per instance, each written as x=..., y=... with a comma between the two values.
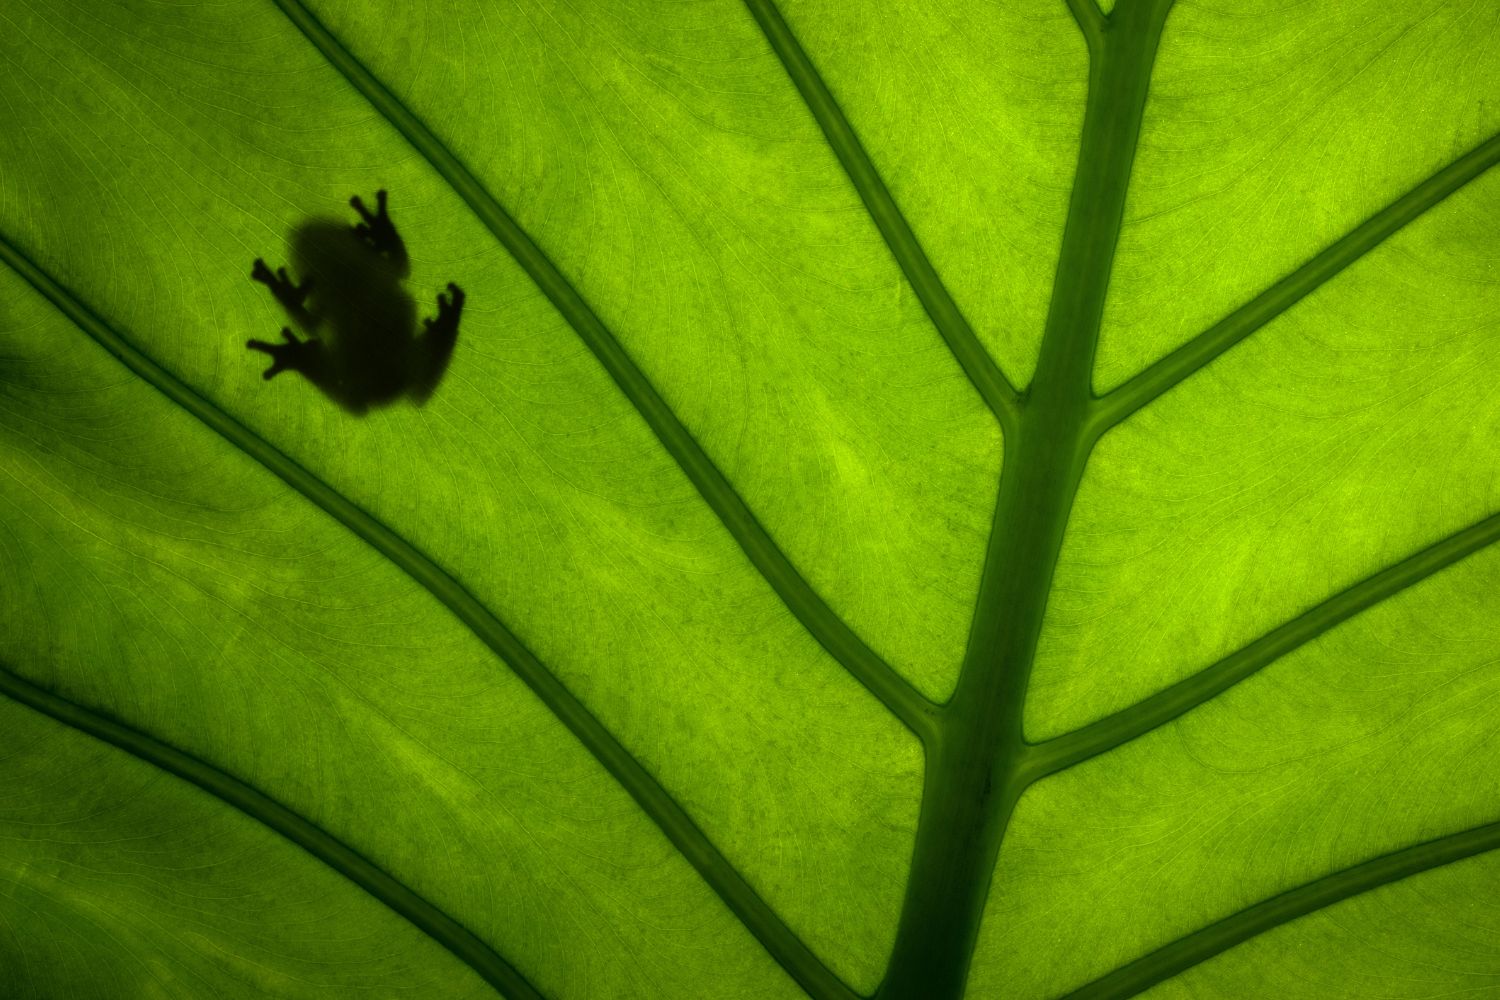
x=929, y=500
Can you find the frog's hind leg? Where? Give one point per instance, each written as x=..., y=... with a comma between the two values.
x=293, y=297
x=434, y=348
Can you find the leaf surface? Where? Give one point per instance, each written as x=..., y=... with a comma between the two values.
x=929, y=501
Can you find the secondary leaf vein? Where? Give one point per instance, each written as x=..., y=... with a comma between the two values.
x=902, y=699
x=1203, y=944
x=1091, y=20
x=1167, y=372
x=982, y=371
x=321, y=844
x=654, y=800
x=1127, y=724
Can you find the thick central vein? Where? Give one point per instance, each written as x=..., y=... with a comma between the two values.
x=974, y=776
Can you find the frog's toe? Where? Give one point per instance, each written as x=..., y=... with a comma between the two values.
x=283, y=356
x=358, y=204
x=265, y=348
x=451, y=304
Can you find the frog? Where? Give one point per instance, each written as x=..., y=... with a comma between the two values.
x=362, y=348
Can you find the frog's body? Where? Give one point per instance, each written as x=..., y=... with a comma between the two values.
x=362, y=348
x=357, y=306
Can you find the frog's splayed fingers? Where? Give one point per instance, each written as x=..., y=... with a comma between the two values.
x=446, y=323
x=305, y=356
x=378, y=232
x=438, y=338
x=362, y=347
x=290, y=295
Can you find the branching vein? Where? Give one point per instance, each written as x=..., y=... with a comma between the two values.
x=1186, y=695
x=322, y=845
x=1201, y=945
x=655, y=800
x=1090, y=20
x=862, y=662
x=1166, y=373
x=990, y=382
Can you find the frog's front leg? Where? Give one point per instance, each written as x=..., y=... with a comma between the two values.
x=435, y=345
x=308, y=356
x=291, y=296
x=378, y=232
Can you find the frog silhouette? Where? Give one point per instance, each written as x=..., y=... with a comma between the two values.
x=362, y=348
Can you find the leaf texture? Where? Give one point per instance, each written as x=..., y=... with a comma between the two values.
x=929, y=501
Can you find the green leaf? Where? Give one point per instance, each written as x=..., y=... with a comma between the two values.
x=989, y=500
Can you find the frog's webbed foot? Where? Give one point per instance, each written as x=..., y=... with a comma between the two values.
x=437, y=340
x=378, y=232
x=305, y=356
x=291, y=296
x=449, y=310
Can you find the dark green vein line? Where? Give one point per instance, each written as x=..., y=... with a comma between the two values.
x=655, y=800
x=1167, y=372
x=1091, y=20
x=1201, y=945
x=976, y=772
x=990, y=382
x=1112, y=731
x=310, y=837
x=862, y=662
